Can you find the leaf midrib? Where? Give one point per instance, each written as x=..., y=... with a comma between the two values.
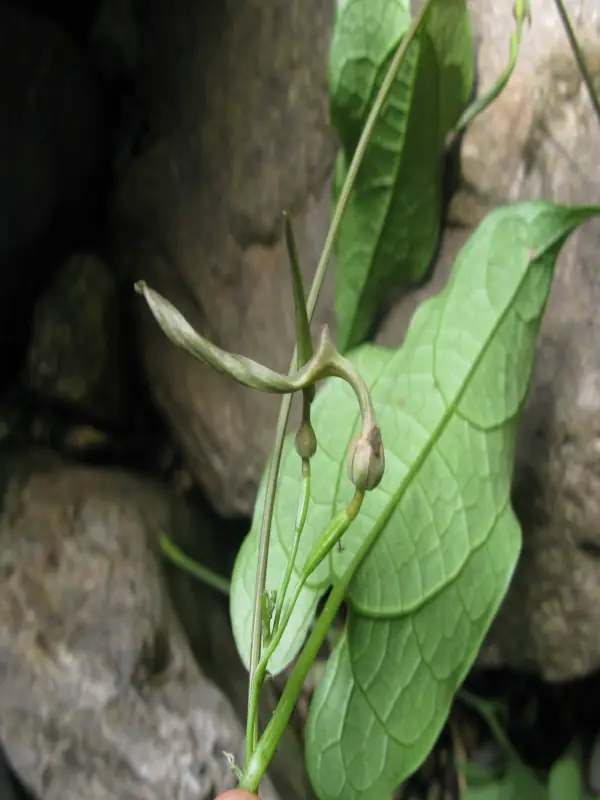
x=391, y=192
x=458, y=674
x=439, y=429
x=373, y=87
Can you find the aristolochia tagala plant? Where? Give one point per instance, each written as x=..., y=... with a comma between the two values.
x=430, y=539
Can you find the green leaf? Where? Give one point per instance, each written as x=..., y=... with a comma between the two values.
x=328, y=474
x=421, y=602
x=449, y=27
x=447, y=403
x=518, y=783
x=365, y=36
x=390, y=229
x=243, y=580
x=303, y=340
x=564, y=781
x=380, y=707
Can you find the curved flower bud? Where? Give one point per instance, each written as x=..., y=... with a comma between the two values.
x=366, y=459
x=242, y=369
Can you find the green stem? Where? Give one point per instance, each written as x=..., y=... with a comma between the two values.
x=284, y=413
x=488, y=98
x=256, y=767
x=179, y=558
x=300, y=522
x=579, y=56
x=332, y=534
x=341, y=367
x=261, y=669
x=334, y=530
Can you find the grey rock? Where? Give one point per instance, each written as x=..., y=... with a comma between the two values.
x=237, y=109
x=542, y=140
x=75, y=353
x=544, y=116
x=9, y=787
x=100, y=696
x=550, y=620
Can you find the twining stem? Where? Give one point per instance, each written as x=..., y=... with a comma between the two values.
x=332, y=533
x=258, y=676
x=255, y=768
x=284, y=413
x=179, y=558
x=522, y=14
x=300, y=522
x=579, y=56
x=341, y=367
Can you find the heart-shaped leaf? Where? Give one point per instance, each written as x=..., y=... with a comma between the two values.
x=447, y=402
x=388, y=688
x=445, y=538
x=422, y=601
x=391, y=225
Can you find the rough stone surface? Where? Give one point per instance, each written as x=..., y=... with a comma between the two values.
x=74, y=355
x=541, y=140
x=9, y=790
x=236, y=100
x=532, y=140
x=52, y=144
x=99, y=694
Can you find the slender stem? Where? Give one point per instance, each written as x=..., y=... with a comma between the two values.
x=284, y=413
x=479, y=105
x=300, y=522
x=179, y=558
x=332, y=534
x=336, y=527
x=579, y=56
x=255, y=768
x=303, y=340
x=258, y=676
x=341, y=367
